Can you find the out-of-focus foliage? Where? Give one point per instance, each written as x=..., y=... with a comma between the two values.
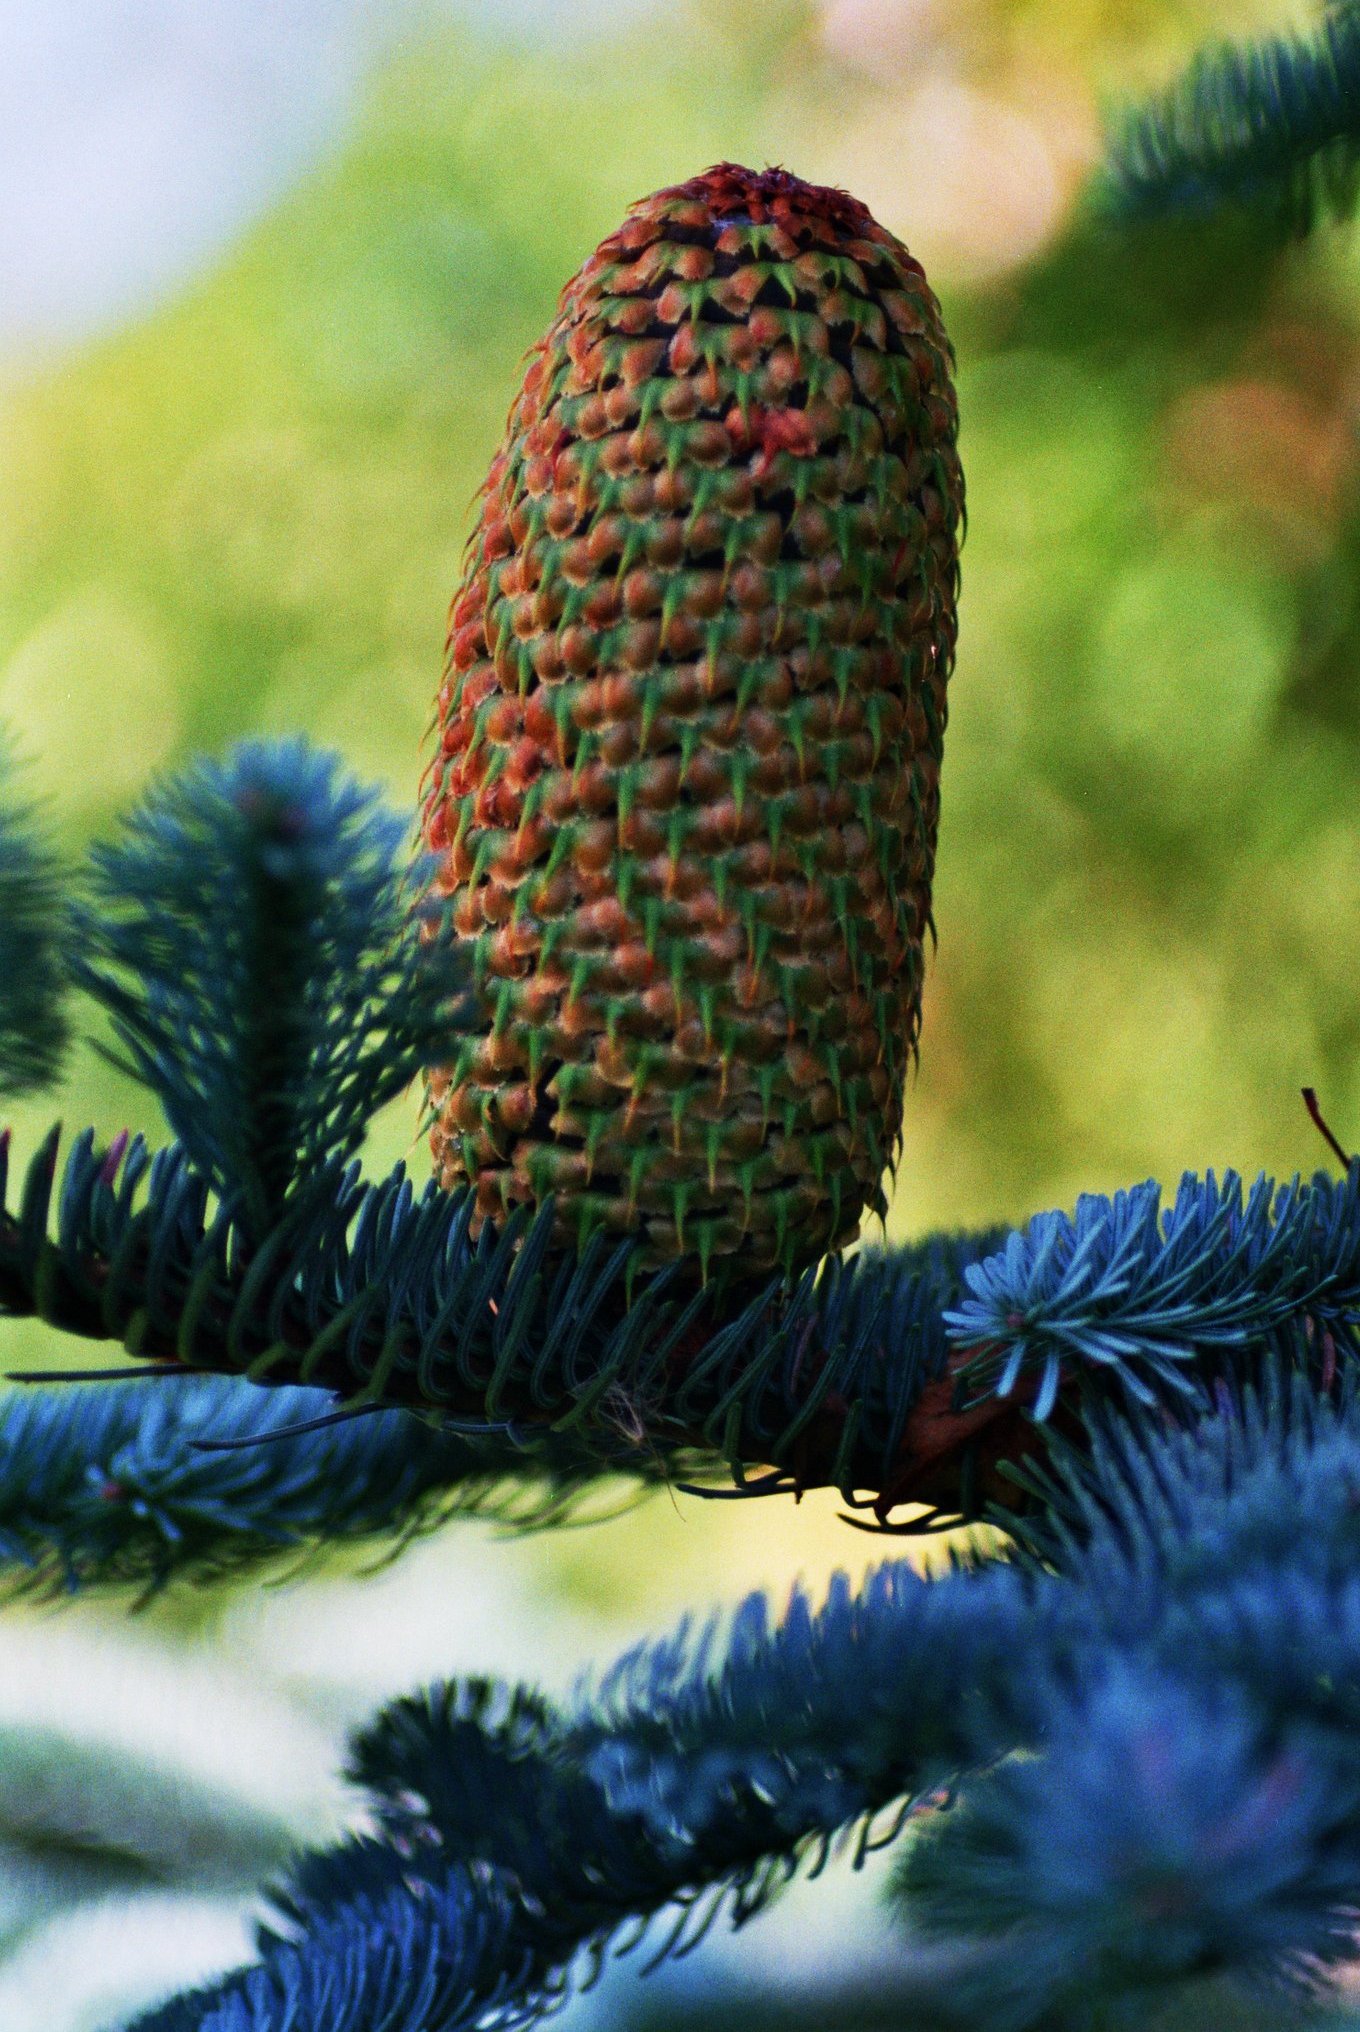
x=33, y=1028
x=1273, y=125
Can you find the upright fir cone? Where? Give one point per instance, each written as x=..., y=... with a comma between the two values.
x=687, y=782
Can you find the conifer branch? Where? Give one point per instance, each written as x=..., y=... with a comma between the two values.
x=694, y=1767
x=383, y=1298
x=255, y=935
x=107, y=1487
x=905, y=1375
x=696, y=1777
x=1195, y=1803
x=1159, y=1830
x=33, y=1024
x=1272, y=126
x=440, y=1961
x=495, y=1787
x=1145, y=1297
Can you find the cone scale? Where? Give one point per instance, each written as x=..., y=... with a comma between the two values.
x=686, y=787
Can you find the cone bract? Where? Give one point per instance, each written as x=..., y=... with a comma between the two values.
x=687, y=778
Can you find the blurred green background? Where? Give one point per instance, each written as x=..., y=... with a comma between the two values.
x=237, y=499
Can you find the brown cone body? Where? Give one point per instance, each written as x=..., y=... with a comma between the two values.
x=687, y=781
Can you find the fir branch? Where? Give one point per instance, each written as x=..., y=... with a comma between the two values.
x=1196, y=1801
x=881, y=1375
x=383, y=1297
x=255, y=935
x=1162, y=1832
x=1153, y=1300
x=105, y=1486
x=1224, y=1558
x=33, y=1025
x=1237, y=1536
x=1272, y=126
x=497, y=1788
x=695, y=1777
x=694, y=1769
x=394, y=1962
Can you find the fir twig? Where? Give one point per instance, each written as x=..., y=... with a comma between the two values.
x=1196, y=1801
x=696, y=1766
x=495, y=1788
x=33, y=1024
x=106, y=1487
x=255, y=935
x=384, y=1298
x=1163, y=1831
x=1169, y=1786
x=1272, y=125
x=1153, y=1299
x=390, y=1962
x=905, y=1374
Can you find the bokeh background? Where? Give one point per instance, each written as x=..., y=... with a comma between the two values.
x=267, y=270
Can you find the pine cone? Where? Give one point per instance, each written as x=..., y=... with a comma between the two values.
x=687, y=783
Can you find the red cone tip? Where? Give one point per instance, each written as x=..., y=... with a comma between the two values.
x=762, y=196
